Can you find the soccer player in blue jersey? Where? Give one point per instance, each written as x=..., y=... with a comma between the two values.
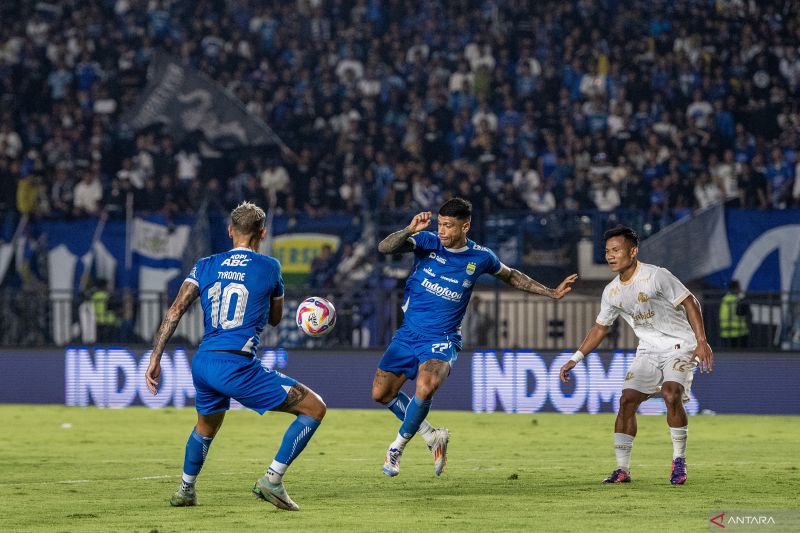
x=240, y=291
x=446, y=265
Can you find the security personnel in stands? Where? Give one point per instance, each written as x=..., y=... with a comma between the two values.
x=734, y=315
x=107, y=321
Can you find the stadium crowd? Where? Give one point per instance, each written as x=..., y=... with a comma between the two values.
x=663, y=106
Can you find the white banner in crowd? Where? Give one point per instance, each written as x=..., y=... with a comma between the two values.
x=157, y=241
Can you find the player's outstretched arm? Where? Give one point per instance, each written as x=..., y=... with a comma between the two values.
x=275, y=311
x=695, y=316
x=518, y=280
x=592, y=341
x=398, y=241
x=188, y=294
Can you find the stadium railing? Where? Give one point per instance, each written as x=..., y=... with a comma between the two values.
x=497, y=319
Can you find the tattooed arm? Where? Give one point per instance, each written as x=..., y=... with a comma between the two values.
x=518, y=280
x=398, y=241
x=188, y=294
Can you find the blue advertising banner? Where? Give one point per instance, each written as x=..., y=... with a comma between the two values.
x=764, y=248
x=511, y=381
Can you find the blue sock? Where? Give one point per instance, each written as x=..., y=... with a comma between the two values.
x=295, y=439
x=196, y=451
x=399, y=405
x=416, y=412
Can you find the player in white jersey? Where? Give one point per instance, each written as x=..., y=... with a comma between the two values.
x=666, y=318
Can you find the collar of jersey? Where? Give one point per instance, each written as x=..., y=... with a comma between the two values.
x=241, y=249
x=635, y=274
x=457, y=250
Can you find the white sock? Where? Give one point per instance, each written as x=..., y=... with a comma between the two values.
x=622, y=447
x=679, y=441
x=276, y=471
x=427, y=432
x=399, y=442
x=189, y=480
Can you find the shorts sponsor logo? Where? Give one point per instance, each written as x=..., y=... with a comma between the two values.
x=441, y=292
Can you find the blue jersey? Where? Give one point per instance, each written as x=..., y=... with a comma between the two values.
x=440, y=286
x=236, y=288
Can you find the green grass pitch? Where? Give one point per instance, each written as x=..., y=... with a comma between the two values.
x=88, y=469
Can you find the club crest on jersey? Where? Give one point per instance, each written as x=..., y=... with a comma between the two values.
x=629, y=376
x=642, y=297
x=471, y=268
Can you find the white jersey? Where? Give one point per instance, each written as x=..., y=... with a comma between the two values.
x=650, y=303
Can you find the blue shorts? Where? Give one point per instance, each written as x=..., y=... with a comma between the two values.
x=220, y=376
x=408, y=350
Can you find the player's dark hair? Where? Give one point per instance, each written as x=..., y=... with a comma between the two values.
x=248, y=219
x=456, y=208
x=624, y=231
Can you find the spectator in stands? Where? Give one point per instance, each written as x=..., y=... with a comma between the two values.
x=419, y=94
x=323, y=268
x=87, y=196
x=604, y=195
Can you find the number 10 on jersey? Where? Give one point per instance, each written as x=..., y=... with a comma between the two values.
x=221, y=303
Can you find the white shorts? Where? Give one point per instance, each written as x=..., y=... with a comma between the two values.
x=650, y=370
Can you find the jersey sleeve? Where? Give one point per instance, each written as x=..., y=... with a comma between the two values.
x=194, y=274
x=277, y=291
x=670, y=287
x=424, y=240
x=608, y=312
x=493, y=265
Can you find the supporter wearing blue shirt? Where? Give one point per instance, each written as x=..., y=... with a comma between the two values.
x=446, y=266
x=240, y=292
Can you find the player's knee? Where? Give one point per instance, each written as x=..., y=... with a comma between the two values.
x=672, y=396
x=320, y=410
x=628, y=402
x=317, y=408
x=382, y=395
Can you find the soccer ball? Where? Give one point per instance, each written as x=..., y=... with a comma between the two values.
x=316, y=316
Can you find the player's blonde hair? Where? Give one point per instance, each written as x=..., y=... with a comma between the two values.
x=248, y=219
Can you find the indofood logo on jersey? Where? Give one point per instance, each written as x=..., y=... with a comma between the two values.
x=441, y=292
x=526, y=382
